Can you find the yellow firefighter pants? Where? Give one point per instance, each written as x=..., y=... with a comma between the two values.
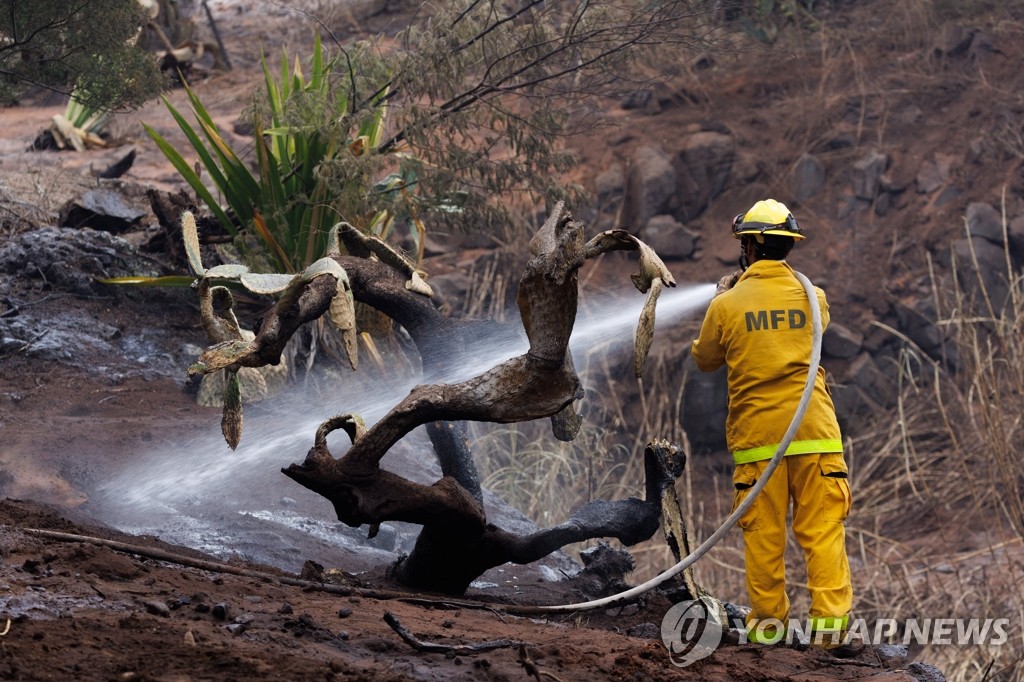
x=820, y=491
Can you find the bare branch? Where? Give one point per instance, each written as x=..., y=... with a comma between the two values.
x=456, y=649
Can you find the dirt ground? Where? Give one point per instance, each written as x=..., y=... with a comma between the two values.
x=72, y=425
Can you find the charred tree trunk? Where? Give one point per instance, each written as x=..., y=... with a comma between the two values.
x=457, y=544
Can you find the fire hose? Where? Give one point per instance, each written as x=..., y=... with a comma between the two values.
x=741, y=509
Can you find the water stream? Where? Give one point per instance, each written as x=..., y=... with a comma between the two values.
x=192, y=491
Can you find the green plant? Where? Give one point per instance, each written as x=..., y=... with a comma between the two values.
x=86, y=117
x=89, y=45
x=313, y=164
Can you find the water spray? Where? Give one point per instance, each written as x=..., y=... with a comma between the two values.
x=172, y=480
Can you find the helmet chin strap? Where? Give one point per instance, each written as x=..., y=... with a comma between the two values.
x=744, y=241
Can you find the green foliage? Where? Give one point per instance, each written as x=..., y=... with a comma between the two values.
x=88, y=45
x=85, y=117
x=314, y=162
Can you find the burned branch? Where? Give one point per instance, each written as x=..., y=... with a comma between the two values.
x=455, y=649
x=457, y=544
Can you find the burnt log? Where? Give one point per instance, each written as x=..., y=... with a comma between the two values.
x=457, y=544
x=447, y=561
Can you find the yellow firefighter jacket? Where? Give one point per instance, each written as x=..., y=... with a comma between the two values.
x=761, y=330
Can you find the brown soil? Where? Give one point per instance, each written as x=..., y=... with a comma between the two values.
x=81, y=611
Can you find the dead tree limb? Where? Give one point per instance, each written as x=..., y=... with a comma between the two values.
x=456, y=649
x=457, y=544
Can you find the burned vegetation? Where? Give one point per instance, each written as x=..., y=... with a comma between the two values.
x=457, y=543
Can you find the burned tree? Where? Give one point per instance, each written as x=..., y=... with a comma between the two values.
x=457, y=543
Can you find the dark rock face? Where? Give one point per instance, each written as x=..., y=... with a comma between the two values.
x=71, y=259
x=703, y=167
x=101, y=209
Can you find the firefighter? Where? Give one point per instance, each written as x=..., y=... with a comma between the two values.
x=759, y=326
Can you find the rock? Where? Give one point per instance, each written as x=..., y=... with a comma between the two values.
x=933, y=173
x=840, y=342
x=991, y=264
x=705, y=404
x=948, y=195
x=851, y=205
x=312, y=571
x=850, y=403
x=220, y=611
x=891, y=655
x=344, y=612
x=236, y=628
x=922, y=672
x=876, y=384
x=668, y=238
x=703, y=168
x=638, y=99
x=883, y=202
x=728, y=254
x=1015, y=232
x=286, y=609
x=157, y=608
x=808, y=177
x=101, y=209
x=918, y=324
x=644, y=631
x=953, y=40
x=650, y=185
x=70, y=260
x=610, y=186
x=867, y=174
x=984, y=221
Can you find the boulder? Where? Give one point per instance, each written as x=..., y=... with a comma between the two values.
x=101, y=209
x=933, y=173
x=650, y=185
x=851, y=403
x=867, y=175
x=610, y=185
x=840, y=342
x=1015, y=232
x=67, y=259
x=703, y=167
x=705, y=404
x=669, y=238
x=917, y=323
x=984, y=221
x=990, y=273
x=953, y=40
x=866, y=375
x=808, y=177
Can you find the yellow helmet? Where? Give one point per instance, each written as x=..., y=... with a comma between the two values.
x=767, y=217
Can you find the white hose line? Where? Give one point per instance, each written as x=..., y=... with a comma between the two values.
x=730, y=521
